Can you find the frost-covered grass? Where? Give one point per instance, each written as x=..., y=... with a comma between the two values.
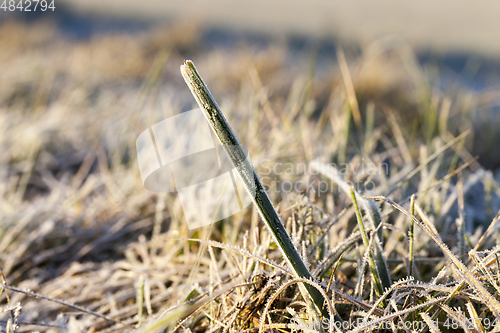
x=78, y=228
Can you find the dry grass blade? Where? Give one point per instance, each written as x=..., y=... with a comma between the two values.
x=371, y=325
x=351, y=93
x=73, y=306
x=482, y=292
x=242, y=252
x=434, y=328
x=488, y=232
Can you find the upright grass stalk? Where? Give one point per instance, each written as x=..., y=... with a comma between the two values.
x=373, y=268
x=372, y=213
x=411, y=235
x=248, y=175
x=468, y=276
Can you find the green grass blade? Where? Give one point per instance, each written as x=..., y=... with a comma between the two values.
x=247, y=174
x=373, y=268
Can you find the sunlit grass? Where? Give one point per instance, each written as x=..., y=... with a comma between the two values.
x=78, y=227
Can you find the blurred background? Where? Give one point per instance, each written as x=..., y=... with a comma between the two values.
x=390, y=81
x=453, y=41
x=428, y=26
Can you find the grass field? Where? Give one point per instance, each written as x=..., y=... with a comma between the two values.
x=84, y=247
